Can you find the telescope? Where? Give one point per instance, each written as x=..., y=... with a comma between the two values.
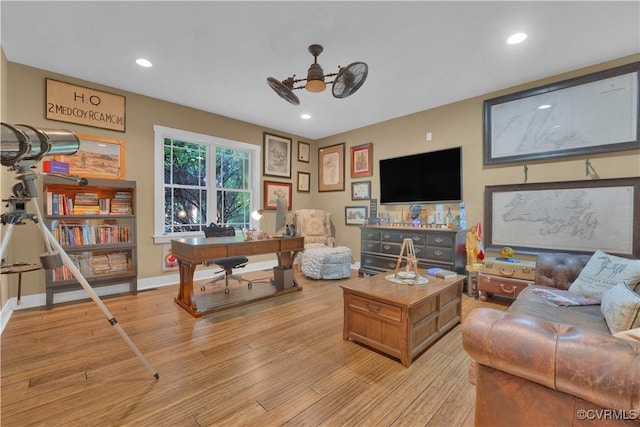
x=21, y=143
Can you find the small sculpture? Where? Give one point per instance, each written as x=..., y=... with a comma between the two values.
x=414, y=211
x=472, y=245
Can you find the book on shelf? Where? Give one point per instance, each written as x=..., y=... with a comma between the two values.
x=441, y=272
x=121, y=203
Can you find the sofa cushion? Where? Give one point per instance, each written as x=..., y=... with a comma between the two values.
x=621, y=308
x=631, y=334
x=602, y=272
x=587, y=316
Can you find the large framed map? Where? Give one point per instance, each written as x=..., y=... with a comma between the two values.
x=595, y=113
x=570, y=216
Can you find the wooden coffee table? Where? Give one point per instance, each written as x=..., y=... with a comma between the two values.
x=401, y=320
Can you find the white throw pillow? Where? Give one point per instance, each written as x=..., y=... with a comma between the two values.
x=602, y=272
x=621, y=308
x=631, y=334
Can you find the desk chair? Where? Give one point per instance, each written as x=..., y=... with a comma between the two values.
x=228, y=264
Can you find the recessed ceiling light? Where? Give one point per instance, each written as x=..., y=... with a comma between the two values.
x=517, y=38
x=144, y=62
x=306, y=116
x=544, y=106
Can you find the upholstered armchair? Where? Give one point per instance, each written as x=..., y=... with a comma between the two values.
x=315, y=226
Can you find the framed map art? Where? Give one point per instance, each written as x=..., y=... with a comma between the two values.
x=570, y=216
x=595, y=113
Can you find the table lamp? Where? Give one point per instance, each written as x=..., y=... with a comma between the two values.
x=257, y=215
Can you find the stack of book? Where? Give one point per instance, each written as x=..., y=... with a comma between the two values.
x=441, y=272
x=121, y=203
x=86, y=204
x=99, y=265
x=118, y=262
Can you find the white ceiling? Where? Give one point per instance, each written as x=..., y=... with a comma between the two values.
x=216, y=56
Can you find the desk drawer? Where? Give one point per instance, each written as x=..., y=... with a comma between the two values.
x=391, y=236
x=370, y=246
x=376, y=308
x=440, y=240
x=370, y=234
x=439, y=254
x=378, y=262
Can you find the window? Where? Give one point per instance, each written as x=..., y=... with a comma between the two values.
x=201, y=179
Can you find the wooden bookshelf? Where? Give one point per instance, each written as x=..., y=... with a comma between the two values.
x=96, y=226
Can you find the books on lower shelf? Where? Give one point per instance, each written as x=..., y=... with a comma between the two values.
x=441, y=272
x=94, y=265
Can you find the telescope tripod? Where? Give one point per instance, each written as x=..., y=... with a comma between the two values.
x=55, y=255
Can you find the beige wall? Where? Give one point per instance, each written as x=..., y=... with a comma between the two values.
x=25, y=104
x=3, y=101
x=460, y=124
x=457, y=124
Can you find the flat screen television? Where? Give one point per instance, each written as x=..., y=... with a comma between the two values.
x=431, y=177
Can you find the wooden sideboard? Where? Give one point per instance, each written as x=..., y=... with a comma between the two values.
x=434, y=247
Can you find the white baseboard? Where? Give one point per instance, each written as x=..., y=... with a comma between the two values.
x=39, y=300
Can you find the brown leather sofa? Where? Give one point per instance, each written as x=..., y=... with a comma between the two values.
x=538, y=364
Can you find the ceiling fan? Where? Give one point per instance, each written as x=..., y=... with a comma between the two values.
x=346, y=82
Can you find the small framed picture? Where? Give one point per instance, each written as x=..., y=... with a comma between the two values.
x=331, y=168
x=273, y=191
x=362, y=160
x=304, y=148
x=97, y=157
x=304, y=182
x=361, y=190
x=355, y=215
x=277, y=156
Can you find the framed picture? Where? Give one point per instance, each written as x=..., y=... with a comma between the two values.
x=331, y=168
x=304, y=182
x=595, y=113
x=304, y=149
x=97, y=157
x=355, y=215
x=274, y=190
x=362, y=160
x=90, y=107
x=277, y=156
x=361, y=190
x=570, y=216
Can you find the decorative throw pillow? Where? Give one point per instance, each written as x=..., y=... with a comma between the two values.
x=602, y=272
x=631, y=334
x=621, y=308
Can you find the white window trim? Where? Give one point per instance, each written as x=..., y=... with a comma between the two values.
x=162, y=132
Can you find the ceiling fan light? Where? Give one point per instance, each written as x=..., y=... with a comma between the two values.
x=315, y=86
x=315, y=79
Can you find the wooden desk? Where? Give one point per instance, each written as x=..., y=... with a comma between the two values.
x=194, y=251
x=400, y=320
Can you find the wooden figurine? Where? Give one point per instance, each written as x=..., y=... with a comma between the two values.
x=472, y=245
x=412, y=262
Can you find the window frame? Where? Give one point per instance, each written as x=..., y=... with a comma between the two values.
x=162, y=132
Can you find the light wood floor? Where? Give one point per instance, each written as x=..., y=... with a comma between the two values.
x=277, y=362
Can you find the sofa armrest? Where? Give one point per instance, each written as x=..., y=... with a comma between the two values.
x=598, y=368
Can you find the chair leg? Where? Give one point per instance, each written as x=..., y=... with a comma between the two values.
x=226, y=276
x=212, y=282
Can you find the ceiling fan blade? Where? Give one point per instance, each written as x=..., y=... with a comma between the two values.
x=349, y=79
x=283, y=91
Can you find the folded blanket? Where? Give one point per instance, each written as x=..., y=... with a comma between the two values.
x=563, y=298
